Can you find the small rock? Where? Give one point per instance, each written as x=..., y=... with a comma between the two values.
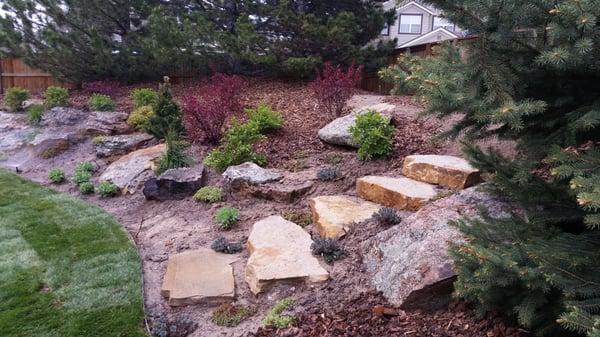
x=109, y=146
x=448, y=171
x=280, y=250
x=249, y=173
x=409, y=263
x=133, y=169
x=334, y=214
x=31, y=102
x=175, y=184
x=338, y=131
x=198, y=276
x=400, y=193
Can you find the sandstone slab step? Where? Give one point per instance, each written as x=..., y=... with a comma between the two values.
x=333, y=215
x=400, y=193
x=197, y=276
x=448, y=171
x=280, y=250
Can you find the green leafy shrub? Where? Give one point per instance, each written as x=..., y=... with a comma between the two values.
x=327, y=174
x=143, y=97
x=237, y=147
x=107, y=189
x=86, y=187
x=301, y=219
x=221, y=245
x=329, y=249
x=226, y=217
x=231, y=315
x=175, y=157
x=56, y=96
x=301, y=67
x=373, y=134
x=275, y=318
x=99, y=102
x=387, y=216
x=15, y=97
x=140, y=118
x=265, y=118
x=56, y=176
x=209, y=194
x=35, y=114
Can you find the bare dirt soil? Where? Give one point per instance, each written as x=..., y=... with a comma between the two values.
x=340, y=307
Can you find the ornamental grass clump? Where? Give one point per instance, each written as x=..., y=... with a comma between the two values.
x=56, y=176
x=373, y=134
x=107, y=189
x=329, y=249
x=35, y=114
x=56, y=96
x=226, y=217
x=387, y=216
x=86, y=188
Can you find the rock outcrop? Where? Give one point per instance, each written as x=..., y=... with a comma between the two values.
x=409, y=263
x=175, y=184
x=288, y=189
x=133, y=169
x=448, y=171
x=109, y=146
x=400, y=193
x=333, y=215
x=198, y=276
x=280, y=250
x=249, y=173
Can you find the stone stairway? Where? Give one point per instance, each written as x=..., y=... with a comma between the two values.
x=425, y=178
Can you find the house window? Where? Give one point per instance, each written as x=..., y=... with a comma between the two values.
x=386, y=30
x=410, y=23
x=440, y=22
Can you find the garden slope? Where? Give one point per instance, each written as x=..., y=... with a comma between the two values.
x=66, y=267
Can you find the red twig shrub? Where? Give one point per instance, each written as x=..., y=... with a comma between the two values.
x=208, y=107
x=109, y=88
x=334, y=86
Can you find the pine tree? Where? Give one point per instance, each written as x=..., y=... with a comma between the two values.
x=532, y=75
x=167, y=118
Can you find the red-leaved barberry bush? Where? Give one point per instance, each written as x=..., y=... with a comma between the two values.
x=106, y=87
x=207, y=107
x=334, y=86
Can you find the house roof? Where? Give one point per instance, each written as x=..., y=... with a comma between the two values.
x=416, y=4
x=430, y=37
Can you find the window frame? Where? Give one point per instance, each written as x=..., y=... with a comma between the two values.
x=439, y=16
x=409, y=14
x=387, y=29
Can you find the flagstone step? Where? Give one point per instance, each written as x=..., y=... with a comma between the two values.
x=333, y=215
x=448, y=171
x=398, y=192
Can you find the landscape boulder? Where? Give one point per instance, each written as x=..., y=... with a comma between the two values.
x=397, y=192
x=133, y=169
x=198, y=276
x=106, y=123
x=54, y=141
x=176, y=183
x=288, y=189
x=249, y=173
x=409, y=263
x=62, y=116
x=280, y=250
x=338, y=131
x=333, y=215
x=448, y=171
x=108, y=146
x=14, y=132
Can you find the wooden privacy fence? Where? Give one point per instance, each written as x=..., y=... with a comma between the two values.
x=15, y=73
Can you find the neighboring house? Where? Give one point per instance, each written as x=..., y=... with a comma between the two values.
x=418, y=24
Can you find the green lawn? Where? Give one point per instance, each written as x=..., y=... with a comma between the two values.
x=66, y=267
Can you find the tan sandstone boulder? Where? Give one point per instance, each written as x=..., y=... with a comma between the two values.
x=280, y=250
x=333, y=215
x=132, y=170
x=448, y=171
x=400, y=193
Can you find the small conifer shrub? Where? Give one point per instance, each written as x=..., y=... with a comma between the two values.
x=274, y=317
x=174, y=157
x=387, y=216
x=15, y=97
x=209, y=194
x=99, y=102
x=143, y=97
x=35, y=114
x=329, y=249
x=139, y=118
x=56, y=96
x=167, y=119
x=226, y=217
x=221, y=245
x=373, y=134
x=107, y=189
x=56, y=176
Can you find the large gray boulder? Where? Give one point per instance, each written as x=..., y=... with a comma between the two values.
x=409, y=263
x=338, y=131
x=250, y=173
x=175, y=184
x=108, y=146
